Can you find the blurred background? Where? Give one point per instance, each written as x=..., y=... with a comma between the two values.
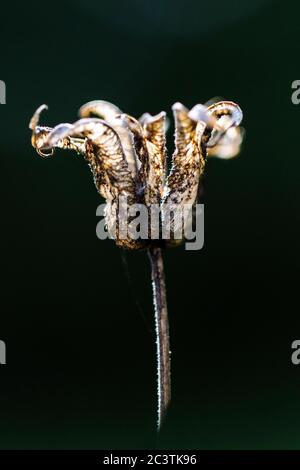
x=76, y=312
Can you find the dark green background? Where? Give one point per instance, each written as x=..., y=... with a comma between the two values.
x=81, y=357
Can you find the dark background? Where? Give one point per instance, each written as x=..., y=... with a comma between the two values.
x=80, y=367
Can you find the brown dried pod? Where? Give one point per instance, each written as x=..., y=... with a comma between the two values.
x=128, y=161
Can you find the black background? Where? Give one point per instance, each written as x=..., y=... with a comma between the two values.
x=80, y=367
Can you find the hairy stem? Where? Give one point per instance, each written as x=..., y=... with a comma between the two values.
x=162, y=332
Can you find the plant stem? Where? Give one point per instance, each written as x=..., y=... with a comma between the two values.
x=162, y=332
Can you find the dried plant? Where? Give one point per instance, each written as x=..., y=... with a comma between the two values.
x=128, y=161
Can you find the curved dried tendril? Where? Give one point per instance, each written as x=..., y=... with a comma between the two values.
x=36, y=116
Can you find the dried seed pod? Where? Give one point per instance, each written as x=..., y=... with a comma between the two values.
x=128, y=159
